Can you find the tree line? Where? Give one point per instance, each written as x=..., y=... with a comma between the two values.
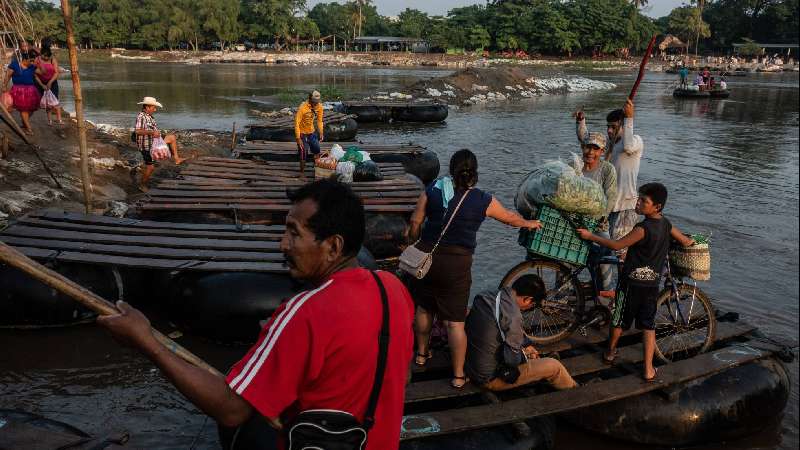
x=537, y=26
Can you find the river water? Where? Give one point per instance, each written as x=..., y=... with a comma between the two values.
x=731, y=167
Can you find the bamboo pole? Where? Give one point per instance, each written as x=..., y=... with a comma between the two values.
x=233, y=138
x=89, y=299
x=76, y=89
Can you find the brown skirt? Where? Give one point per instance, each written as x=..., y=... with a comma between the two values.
x=445, y=289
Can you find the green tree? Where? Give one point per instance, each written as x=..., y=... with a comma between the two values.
x=47, y=21
x=413, y=23
x=219, y=18
x=479, y=38
x=185, y=25
x=687, y=23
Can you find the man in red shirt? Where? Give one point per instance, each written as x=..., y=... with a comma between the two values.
x=319, y=350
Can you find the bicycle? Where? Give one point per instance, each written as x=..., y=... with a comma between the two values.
x=685, y=322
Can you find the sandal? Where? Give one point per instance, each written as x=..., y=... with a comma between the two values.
x=608, y=359
x=424, y=357
x=456, y=385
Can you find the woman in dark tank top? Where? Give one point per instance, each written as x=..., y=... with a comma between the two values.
x=445, y=289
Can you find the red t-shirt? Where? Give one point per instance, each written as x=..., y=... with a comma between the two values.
x=320, y=349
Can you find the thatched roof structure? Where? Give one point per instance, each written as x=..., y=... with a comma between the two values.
x=671, y=41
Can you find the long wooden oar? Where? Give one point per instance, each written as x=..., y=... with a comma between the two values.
x=642, y=66
x=89, y=299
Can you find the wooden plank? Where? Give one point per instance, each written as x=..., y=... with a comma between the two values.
x=399, y=209
x=258, y=193
x=576, y=366
x=57, y=215
x=145, y=252
x=290, y=148
x=210, y=184
x=484, y=416
x=268, y=201
x=145, y=241
x=248, y=236
x=152, y=263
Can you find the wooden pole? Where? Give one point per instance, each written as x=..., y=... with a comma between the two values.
x=233, y=138
x=642, y=66
x=76, y=89
x=89, y=299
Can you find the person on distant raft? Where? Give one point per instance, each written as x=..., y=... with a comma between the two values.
x=698, y=81
x=624, y=150
x=684, y=74
x=639, y=279
x=308, y=128
x=147, y=133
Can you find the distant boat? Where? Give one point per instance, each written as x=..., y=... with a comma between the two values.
x=691, y=93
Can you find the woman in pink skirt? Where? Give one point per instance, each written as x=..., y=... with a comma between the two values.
x=26, y=97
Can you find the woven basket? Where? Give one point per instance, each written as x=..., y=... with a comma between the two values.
x=694, y=261
x=321, y=172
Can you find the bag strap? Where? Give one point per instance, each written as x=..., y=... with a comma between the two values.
x=497, y=315
x=452, y=216
x=383, y=353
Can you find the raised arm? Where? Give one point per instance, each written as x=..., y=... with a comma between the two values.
x=631, y=143
x=580, y=126
x=498, y=212
x=682, y=239
x=417, y=218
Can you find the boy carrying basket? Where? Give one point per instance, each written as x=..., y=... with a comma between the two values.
x=637, y=292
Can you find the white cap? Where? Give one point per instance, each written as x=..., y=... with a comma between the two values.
x=150, y=101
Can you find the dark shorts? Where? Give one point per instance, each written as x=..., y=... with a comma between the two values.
x=445, y=289
x=635, y=303
x=148, y=160
x=310, y=145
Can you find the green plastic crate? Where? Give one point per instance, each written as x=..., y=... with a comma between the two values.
x=557, y=239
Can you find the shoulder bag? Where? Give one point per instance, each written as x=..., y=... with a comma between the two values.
x=416, y=262
x=339, y=430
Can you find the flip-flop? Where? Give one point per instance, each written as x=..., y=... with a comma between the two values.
x=427, y=356
x=609, y=361
x=459, y=386
x=653, y=379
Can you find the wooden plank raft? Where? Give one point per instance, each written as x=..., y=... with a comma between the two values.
x=434, y=423
x=255, y=192
x=79, y=238
x=272, y=149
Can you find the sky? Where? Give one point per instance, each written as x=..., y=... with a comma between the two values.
x=656, y=8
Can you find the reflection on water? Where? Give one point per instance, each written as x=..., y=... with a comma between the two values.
x=731, y=167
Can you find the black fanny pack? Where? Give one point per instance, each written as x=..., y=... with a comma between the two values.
x=328, y=429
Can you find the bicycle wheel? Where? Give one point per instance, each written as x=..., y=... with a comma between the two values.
x=557, y=316
x=685, y=324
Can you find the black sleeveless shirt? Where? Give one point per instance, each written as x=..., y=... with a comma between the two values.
x=646, y=258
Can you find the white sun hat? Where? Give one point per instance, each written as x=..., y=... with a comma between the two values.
x=150, y=101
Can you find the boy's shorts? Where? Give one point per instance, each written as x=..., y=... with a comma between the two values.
x=635, y=303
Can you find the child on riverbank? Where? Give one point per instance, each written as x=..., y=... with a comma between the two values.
x=637, y=291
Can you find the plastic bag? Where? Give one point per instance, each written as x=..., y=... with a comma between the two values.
x=48, y=100
x=353, y=154
x=367, y=171
x=365, y=156
x=345, y=170
x=326, y=162
x=337, y=151
x=159, y=150
x=556, y=184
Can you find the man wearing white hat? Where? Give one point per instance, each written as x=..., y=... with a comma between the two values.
x=308, y=128
x=147, y=132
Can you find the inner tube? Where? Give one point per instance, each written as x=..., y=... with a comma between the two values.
x=731, y=404
x=424, y=165
x=368, y=113
x=387, y=234
x=28, y=303
x=344, y=130
x=420, y=113
x=228, y=306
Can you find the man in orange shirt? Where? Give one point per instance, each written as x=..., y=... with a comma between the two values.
x=306, y=135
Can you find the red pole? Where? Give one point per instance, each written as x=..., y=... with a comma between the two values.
x=645, y=59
